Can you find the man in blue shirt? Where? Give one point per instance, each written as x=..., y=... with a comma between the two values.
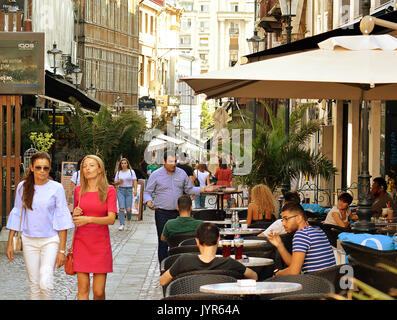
x=167, y=184
x=311, y=250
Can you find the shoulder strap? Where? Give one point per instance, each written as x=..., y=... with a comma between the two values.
x=20, y=220
x=75, y=227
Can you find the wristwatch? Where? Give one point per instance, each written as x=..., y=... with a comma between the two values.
x=62, y=251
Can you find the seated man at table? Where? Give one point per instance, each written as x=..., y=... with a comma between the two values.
x=380, y=197
x=184, y=223
x=311, y=250
x=340, y=214
x=207, y=239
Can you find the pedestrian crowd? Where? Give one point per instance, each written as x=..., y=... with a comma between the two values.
x=42, y=216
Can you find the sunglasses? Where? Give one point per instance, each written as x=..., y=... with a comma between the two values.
x=39, y=168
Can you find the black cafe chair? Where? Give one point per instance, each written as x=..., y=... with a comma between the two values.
x=191, y=284
x=369, y=256
x=333, y=274
x=188, y=242
x=209, y=215
x=202, y=296
x=310, y=284
x=175, y=239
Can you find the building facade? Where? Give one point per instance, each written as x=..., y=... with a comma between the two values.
x=340, y=136
x=108, y=49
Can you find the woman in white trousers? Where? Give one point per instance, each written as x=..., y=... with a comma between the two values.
x=42, y=214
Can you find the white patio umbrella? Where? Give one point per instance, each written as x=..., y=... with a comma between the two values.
x=344, y=68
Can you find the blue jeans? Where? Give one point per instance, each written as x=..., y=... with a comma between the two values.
x=199, y=201
x=161, y=217
x=124, y=198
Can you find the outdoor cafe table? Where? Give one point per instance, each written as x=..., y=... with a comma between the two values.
x=250, y=243
x=220, y=195
x=229, y=231
x=258, y=289
x=253, y=261
x=227, y=221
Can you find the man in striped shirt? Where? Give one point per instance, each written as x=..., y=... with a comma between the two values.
x=311, y=250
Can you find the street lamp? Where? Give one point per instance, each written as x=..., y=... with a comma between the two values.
x=253, y=44
x=91, y=90
x=118, y=103
x=77, y=75
x=288, y=10
x=53, y=54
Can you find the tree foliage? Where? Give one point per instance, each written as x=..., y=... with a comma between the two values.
x=277, y=156
x=107, y=136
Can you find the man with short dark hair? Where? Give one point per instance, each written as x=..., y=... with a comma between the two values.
x=167, y=184
x=184, y=165
x=380, y=197
x=207, y=239
x=184, y=223
x=311, y=250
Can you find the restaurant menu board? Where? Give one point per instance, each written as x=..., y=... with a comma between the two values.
x=21, y=63
x=137, y=202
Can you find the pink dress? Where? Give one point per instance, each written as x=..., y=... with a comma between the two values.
x=92, y=251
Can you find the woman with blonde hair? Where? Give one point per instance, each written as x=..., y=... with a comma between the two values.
x=95, y=208
x=261, y=208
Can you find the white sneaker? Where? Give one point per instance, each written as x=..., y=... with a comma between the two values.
x=121, y=228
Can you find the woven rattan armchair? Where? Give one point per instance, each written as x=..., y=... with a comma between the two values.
x=310, y=284
x=191, y=284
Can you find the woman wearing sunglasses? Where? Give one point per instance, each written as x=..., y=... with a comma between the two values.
x=45, y=220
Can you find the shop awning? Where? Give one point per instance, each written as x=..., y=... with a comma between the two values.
x=60, y=89
x=310, y=43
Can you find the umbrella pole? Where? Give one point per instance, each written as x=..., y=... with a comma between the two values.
x=364, y=210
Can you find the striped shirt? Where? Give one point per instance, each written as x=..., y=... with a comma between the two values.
x=313, y=242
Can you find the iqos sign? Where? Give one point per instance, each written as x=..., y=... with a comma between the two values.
x=25, y=46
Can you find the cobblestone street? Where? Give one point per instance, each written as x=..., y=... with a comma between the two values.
x=135, y=267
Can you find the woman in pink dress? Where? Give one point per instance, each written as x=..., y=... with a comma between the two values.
x=95, y=208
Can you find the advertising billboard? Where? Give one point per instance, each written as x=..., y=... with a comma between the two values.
x=21, y=63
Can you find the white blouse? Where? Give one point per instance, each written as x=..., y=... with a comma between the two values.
x=127, y=176
x=50, y=212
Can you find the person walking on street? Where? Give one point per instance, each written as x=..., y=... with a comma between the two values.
x=42, y=214
x=224, y=176
x=168, y=183
x=127, y=186
x=95, y=207
x=203, y=176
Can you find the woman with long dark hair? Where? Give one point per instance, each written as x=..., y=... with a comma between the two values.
x=44, y=223
x=95, y=207
x=125, y=180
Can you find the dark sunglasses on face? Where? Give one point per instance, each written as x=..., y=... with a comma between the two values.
x=39, y=168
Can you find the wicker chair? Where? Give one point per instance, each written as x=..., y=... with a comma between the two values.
x=210, y=214
x=310, y=284
x=167, y=262
x=191, y=284
x=188, y=242
x=332, y=232
x=307, y=296
x=369, y=256
x=333, y=274
x=175, y=239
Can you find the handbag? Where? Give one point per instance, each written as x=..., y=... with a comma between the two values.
x=196, y=181
x=17, y=240
x=69, y=257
